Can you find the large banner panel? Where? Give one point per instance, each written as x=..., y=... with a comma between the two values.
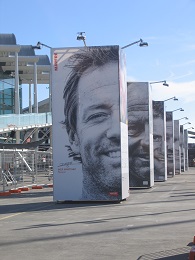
x=124, y=125
x=186, y=148
x=177, y=147
x=182, y=148
x=159, y=136
x=89, y=124
x=191, y=154
x=140, y=130
x=170, y=144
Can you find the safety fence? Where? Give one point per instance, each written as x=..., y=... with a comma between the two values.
x=25, y=168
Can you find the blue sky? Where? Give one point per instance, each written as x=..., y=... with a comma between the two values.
x=167, y=25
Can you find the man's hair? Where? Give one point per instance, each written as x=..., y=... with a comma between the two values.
x=169, y=116
x=158, y=109
x=79, y=63
x=137, y=93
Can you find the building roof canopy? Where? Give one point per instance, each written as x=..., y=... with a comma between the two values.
x=7, y=39
x=26, y=60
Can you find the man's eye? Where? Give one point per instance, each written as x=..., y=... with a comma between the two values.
x=97, y=117
x=134, y=129
x=157, y=138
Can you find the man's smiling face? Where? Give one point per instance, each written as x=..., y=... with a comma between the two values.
x=98, y=126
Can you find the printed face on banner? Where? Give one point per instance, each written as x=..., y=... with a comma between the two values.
x=158, y=138
x=123, y=90
x=138, y=132
x=92, y=120
x=97, y=136
x=169, y=137
x=176, y=146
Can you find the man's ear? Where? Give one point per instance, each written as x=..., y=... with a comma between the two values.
x=74, y=142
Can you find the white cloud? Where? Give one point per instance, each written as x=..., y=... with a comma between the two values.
x=184, y=91
x=186, y=63
x=131, y=79
x=157, y=63
x=190, y=47
x=174, y=77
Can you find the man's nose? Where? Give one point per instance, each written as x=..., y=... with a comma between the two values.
x=145, y=139
x=113, y=130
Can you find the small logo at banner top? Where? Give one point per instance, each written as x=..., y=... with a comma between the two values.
x=113, y=193
x=55, y=61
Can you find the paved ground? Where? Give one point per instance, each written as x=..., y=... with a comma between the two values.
x=156, y=223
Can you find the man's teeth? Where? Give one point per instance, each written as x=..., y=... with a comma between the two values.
x=114, y=154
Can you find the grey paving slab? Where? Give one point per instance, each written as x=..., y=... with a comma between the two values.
x=156, y=223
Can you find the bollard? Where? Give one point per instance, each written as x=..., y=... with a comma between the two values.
x=192, y=253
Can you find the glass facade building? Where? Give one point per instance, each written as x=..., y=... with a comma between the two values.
x=7, y=95
x=19, y=66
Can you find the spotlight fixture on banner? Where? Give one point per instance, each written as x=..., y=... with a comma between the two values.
x=174, y=99
x=81, y=37
x=39, y=44
x=188, y=123
x=161, y=81
x=180, y=109
x=190, y=128
x=140, y=41
x=185, y=117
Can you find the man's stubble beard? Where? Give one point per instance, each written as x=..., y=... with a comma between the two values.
x=96, y=180
x=137, y=172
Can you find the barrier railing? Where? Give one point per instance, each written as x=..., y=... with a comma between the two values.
x=18, y=122
x=24, y=168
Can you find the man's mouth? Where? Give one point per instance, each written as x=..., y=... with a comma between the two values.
x=141, y=160
x=161, y=159
x=144, y=156
x=116, y=154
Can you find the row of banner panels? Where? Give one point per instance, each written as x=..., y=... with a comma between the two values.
x=177, y=148
x=140, y=130
x=170, y=143
x=108, y=134
x=160, y=141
